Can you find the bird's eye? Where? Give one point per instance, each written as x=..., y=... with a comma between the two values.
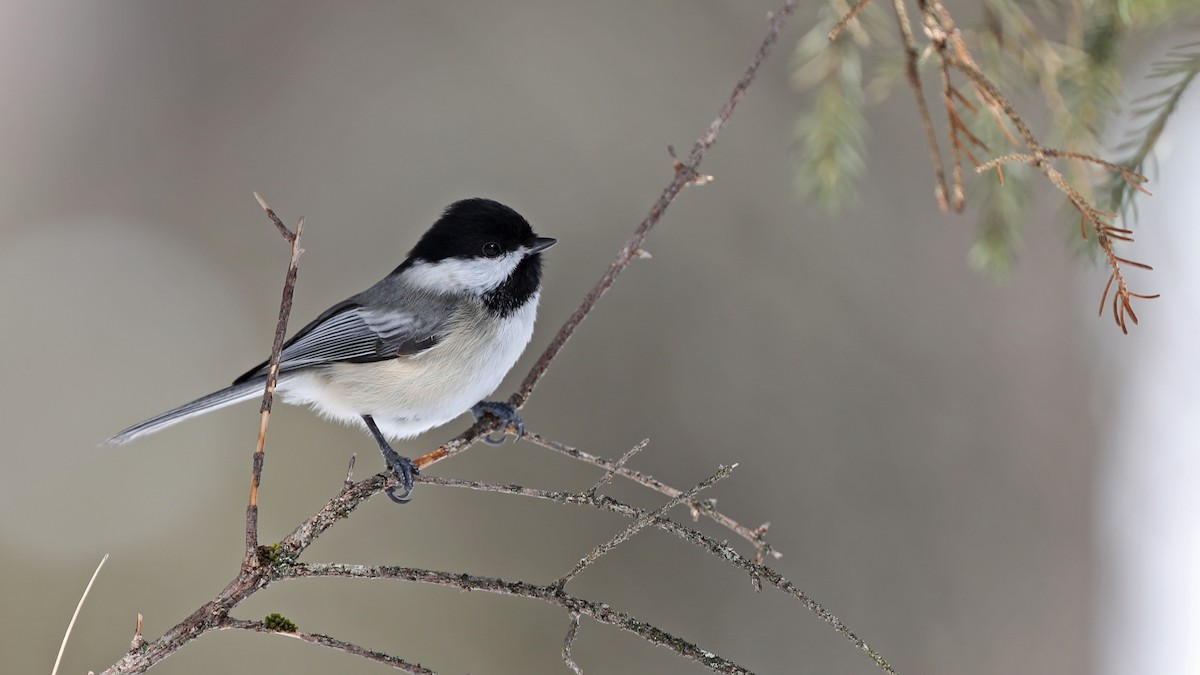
x=491, y=249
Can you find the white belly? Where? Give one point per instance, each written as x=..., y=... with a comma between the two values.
x=412, y=394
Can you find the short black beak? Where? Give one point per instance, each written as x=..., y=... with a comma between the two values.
x=541, y=244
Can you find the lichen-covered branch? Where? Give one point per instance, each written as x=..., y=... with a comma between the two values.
x=326, y=641
x=548, y=593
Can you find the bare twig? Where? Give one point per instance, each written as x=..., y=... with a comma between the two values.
x=568, y=641
x=1012, y=158
x=756, y=570
x=550, y=594
x=62, y=647
x=285, y=311
x=756, y=536
x=958, y=194
x=288, y=235
x=618, y=465
x=914, y=81
x=640, y=524
x=204, y=619
x=942, y=31
x=847, y=18
x=1133, y=178
x=330, y=642
x=284, y=555
x=992, y=95
x=137, y=641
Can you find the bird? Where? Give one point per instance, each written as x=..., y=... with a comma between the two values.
x=425, y=344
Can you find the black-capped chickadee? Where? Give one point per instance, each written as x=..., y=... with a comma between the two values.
x=417, y=349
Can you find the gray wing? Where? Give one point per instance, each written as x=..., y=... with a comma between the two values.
x=364, y=329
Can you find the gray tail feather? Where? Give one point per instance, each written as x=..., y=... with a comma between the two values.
x=237, y=393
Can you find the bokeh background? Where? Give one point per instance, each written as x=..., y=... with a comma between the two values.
x=964, y=471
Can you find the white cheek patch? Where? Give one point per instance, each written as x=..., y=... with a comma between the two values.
x=458, y=275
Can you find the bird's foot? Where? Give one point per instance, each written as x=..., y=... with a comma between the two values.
x=505, y=413
x=403, y=467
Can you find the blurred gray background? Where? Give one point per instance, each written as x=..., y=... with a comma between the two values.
x=923, y=441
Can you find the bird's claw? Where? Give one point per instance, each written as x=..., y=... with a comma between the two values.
x=505, y=413
x=405, y=469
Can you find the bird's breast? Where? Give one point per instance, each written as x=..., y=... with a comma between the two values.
x=413, y=393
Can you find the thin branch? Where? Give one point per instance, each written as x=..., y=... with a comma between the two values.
x=1131, y=177
x=284, y=554
x=354, y=495
x=756, y=536
x=640, y=524
x=847, y=18
x=62, y=647
x=942, y=31
x=618, y=465
x=138, y=640
x=1013, y=158
x=341, y=505
x=288, y=235
x=914, y=81
x=721, y=549
x=551, y=594
x=959, y=195
x=568, y=641
x=992, y=94
x=285, y=311
x=1122, y=305
x=140, y=659
x=330, y=642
